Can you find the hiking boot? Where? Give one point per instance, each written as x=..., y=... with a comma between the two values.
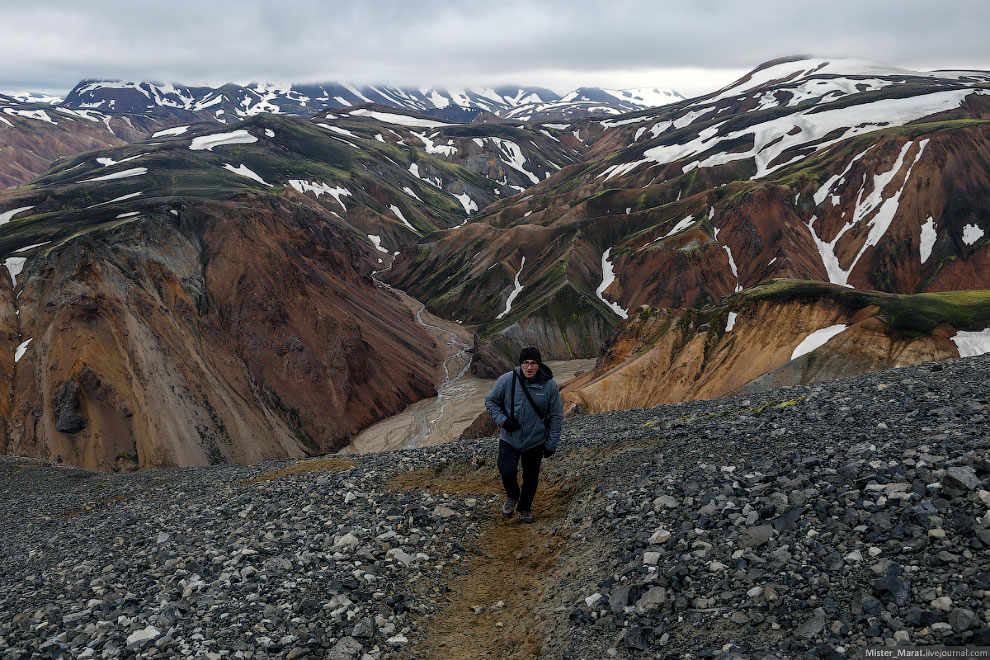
x=525, y=517
x=508, y=508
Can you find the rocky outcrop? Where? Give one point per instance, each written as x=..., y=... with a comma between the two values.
x=486, y=362
x=753, y=344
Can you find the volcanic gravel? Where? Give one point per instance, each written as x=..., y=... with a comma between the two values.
x=804, y=522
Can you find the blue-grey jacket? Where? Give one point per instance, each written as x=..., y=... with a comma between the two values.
x=531, y=432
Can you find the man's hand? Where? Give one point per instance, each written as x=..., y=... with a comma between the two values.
x=510, y=425
x=548, y=453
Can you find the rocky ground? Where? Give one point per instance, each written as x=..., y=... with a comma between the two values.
x=805, y=522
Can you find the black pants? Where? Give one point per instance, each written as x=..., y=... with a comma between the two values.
x=508, y=464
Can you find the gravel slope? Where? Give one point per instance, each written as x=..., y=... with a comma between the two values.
x=802, y=522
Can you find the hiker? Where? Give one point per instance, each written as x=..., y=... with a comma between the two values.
x=525, y=403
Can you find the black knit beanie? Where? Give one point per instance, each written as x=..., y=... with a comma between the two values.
x=531, y=353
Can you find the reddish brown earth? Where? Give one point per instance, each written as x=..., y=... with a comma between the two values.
x=29, y=147
x=664, y=356
x=238, y=331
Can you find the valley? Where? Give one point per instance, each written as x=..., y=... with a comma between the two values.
x=289, y=278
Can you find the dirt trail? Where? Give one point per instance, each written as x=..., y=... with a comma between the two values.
x=512, y=566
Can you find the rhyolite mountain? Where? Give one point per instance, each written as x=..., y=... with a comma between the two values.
x=37, y=130
x=35, y=134
x=211, y=294
x=234, y=102
x=839, y=171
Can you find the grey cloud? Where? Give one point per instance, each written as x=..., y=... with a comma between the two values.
x=54, y=43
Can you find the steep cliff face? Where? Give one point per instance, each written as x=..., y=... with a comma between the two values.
x=784, y=333
x=231, y=332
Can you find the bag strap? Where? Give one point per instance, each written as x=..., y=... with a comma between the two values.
x=512, y=399
x=544, y=417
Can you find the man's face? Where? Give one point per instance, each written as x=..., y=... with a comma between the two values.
x=529, y=368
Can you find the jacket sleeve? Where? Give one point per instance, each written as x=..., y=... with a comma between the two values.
x=556, y=414
x=495, y=402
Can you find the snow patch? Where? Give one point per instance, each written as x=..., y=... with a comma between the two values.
x=21, y=349
x=318, y=188
x=401, y=120
x=730, y=321
x=208, y=142
x=377, y=240
x=971, y=234
x=432, y=148
x=817, y=339
x=7, y=216
x=128, y=215
x=680, y=226
x=14, y=266
x=469, y=204
x=970, y=344
x=116, y=199
x=244, y=171
x=178, y=130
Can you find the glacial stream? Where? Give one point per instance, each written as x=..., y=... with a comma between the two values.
x=460, y=397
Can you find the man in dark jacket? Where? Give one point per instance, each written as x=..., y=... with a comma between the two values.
x=525, y=403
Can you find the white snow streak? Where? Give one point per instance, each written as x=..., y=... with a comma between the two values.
x=730, y=321
x=401, y=120
x=137, y=171
x=245, y=171
x=178, y=130
x=928, y=236
x=882, y=211
x=680, y=226
x=816, y=339
x=208, y=142
x=398, y=213
x=608, y=276
x=515, y=292
x=7, y=216
x=116, y=199
x=31, y=247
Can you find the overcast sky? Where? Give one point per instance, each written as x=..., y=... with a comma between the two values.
x=693, y=46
